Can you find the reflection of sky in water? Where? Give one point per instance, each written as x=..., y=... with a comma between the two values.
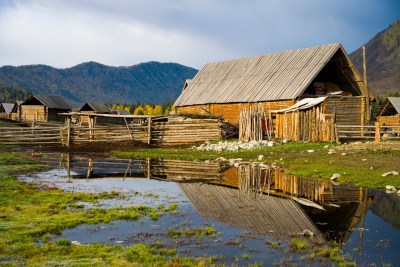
x=379, y=242
x=167, y=192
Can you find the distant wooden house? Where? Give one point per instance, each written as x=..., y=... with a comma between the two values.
x=277, y=82
x=96, y=108
x=389, y=115
x=6, y=110
x=44, y=108
x=16, y=112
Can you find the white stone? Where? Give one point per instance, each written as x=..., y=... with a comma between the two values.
x=310, y=150
x=391, y=188
x=344, y=154
x=260, y=157
x=390, y=173
x=237, y=164
x=335, y=176
x=270, y=143
x=76, y=243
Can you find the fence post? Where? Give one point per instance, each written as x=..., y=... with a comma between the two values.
x=377, y=132
x=149, y=131
x=68, y=131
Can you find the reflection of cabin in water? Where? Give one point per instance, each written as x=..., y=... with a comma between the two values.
x=338, y=208
x=277, y=217
x=278, y=81
x=389, y=115
x=44, y=108
x=227, y=194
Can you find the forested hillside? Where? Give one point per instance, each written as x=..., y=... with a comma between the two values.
x=10, y=94
x=93, y=82
x=383, y=61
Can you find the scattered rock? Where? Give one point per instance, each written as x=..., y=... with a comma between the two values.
x=307, y=233
x=237, y=164
x=335, y=176
x=76, y=243
x=310, y=150
x=233, y=146
x=207, y=161
x=391, y=188
x=398, y=192
x=331, y=151
x=390, y=173
x=326, y=146
x=364, y=159
x=344, y=154
x=260, y=157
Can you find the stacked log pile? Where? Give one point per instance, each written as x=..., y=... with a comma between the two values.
x=176, y=130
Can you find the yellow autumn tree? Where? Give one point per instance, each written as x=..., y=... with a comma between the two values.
x=157, y=110
x=148, y=110
x=138, y=111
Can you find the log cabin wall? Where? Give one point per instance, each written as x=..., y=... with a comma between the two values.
x=230, y=112
x=389, y=120
x=33, y=113
x=349, y=110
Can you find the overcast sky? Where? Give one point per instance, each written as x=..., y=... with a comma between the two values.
x=64, y=33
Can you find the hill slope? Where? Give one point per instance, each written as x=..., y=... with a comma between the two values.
x=383, y=61
x=94, y=82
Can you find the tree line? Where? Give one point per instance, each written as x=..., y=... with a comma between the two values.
x=146, y=109
x=10, y=94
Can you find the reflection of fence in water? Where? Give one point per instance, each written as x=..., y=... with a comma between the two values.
x=96, y=166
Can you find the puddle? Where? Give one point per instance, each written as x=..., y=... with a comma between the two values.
x=248, y=207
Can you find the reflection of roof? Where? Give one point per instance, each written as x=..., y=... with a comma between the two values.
x=8, y=107
x=54, y=102
x=273, y=216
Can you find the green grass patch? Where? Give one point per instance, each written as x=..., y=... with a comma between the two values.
x=30, y=215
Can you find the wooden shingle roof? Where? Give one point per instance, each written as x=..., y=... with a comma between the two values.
x=279, y=76
x=52, y=102
x=97, y=107
x=8, y=107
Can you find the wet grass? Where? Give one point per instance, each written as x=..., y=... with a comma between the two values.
x=360, y=167
x=29, y=216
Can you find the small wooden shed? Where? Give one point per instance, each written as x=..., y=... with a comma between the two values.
x=389, y=115
x=44, y=108
x=278, y=81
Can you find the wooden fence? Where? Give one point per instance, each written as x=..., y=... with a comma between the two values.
x=300, y=125
x=375, y=132
x=162, y=131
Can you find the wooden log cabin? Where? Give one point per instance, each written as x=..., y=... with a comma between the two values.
x=44, y=108
x=278, y=81
x=389, y=115
x=95, y=108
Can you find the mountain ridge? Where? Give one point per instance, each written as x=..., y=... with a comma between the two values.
x=95, y=82
x=383, y=61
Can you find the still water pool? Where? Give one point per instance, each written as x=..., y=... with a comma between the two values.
x=240, y=215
